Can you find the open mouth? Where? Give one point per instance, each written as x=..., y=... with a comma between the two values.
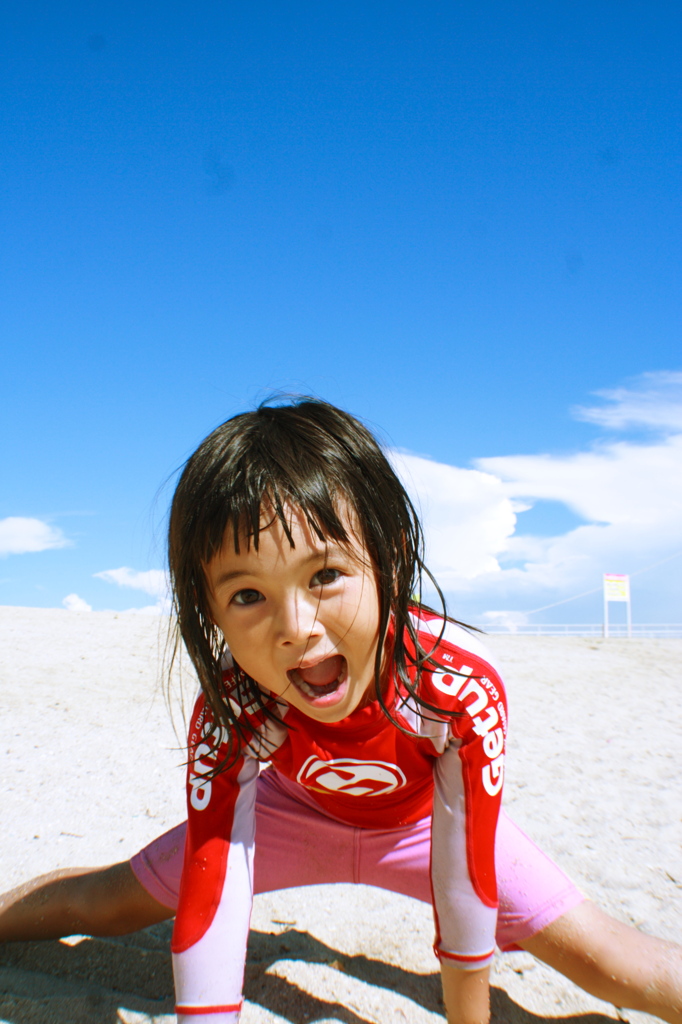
x=325, y=679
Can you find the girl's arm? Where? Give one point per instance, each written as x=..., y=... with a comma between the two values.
x=468, y=777
x=467, y=794
x=466, y=994
x=212, y=922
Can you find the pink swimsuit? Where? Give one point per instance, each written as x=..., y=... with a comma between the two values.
x=414, y=812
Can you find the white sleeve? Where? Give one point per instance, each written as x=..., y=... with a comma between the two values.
x=465, y=920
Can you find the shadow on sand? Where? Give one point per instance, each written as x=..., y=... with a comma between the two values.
x=87, y=983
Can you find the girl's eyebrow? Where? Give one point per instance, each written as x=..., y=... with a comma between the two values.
x=233, y=574
x=225, y=577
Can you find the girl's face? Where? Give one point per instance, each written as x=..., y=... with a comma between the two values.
x=303, y=622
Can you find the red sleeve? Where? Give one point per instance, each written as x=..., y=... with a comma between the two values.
x=212, y=923
x=467, y=798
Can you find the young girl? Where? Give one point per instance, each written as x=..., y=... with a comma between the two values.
x=295, y=557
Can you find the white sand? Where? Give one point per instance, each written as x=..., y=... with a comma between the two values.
x=91, y=771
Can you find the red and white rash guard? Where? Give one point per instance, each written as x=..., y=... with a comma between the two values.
x=367, y=773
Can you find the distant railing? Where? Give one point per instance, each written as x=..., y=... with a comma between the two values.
x=642, y=629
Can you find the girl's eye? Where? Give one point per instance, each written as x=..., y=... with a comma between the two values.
x=324, y=577
x=247, y=597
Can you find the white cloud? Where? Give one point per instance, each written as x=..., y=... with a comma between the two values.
x=631, y=498
x=504, y=620
x=619, y=483
x=74, y=603
x=467, y=516
x=20, y=535
x=153, y=581
x=628, y=494
x=654, y=400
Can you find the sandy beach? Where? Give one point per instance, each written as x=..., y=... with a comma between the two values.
x=92, y=770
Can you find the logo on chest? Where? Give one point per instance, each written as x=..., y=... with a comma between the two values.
x=347, y=775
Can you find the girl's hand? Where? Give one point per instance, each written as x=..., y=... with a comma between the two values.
x=466, y=994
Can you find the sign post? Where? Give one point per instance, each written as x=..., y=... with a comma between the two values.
x=616, y=588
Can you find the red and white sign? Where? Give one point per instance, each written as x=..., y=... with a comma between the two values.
x=348, y=775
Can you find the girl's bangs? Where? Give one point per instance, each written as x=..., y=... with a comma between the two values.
x=322, y=512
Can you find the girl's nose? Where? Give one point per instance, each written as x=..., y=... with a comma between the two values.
x=298, y=620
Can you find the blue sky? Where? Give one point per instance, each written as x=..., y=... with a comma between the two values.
x=460, y=222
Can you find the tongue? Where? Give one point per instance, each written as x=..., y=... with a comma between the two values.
x=324, y=673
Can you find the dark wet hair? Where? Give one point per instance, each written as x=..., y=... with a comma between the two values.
x=314, y=457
